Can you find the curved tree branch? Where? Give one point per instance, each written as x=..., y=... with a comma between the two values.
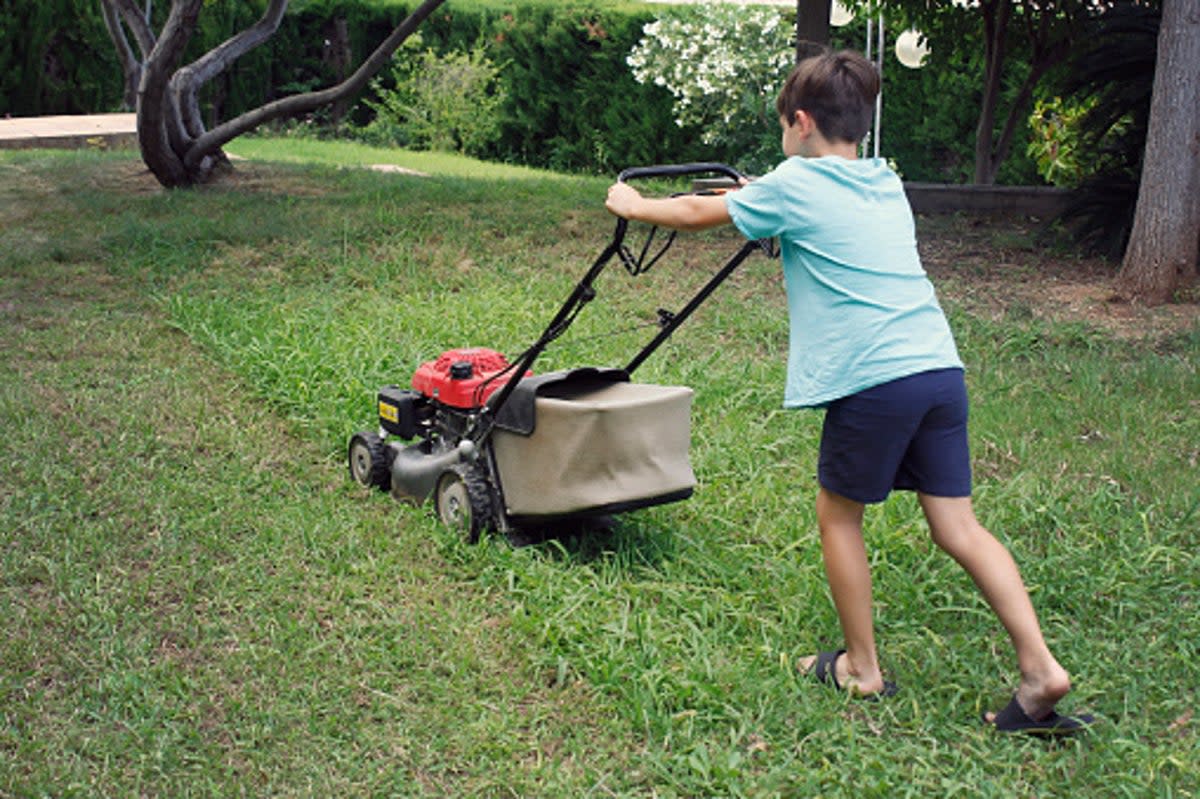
x=158, y=118
x=138, y=22
x=211, y=141
x=171, y=132
x=217, y=60
x=131, y=65
x=186, y=82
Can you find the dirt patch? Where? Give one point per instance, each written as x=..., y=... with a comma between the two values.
x=250, y=177
x=998, y=266
x=133, y=178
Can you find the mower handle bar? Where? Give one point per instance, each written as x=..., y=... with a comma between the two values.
x=678, y=170
x=583, y=292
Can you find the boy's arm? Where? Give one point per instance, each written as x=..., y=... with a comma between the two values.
x=685, y=212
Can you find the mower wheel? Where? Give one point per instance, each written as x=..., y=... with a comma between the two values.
x=368, y=456
x=463, y=501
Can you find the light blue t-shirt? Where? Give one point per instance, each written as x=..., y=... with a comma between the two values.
x=862, y=309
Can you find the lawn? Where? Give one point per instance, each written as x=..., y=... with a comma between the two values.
x=198, y=601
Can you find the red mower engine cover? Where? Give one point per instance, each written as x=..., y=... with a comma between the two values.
x=462, y=378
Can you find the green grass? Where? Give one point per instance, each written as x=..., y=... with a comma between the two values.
x=198, y=602
x=302, y=150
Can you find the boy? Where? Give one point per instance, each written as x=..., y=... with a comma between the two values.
x=870, y=344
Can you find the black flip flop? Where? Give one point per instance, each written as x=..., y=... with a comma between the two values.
x=824, y=672
x=1013, y=719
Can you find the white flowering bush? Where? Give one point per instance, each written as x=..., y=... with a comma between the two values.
x=724, y=64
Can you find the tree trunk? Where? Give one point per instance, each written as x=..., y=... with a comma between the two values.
x=996, y=16
x=171, y=134
x=159, y=131
x=812, y=27
x=1165, y=240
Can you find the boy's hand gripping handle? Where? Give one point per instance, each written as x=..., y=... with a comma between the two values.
x=636, y=266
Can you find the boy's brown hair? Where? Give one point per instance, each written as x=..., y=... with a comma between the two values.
x=838, y=89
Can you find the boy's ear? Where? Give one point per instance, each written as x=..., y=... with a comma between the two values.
x=805, y=121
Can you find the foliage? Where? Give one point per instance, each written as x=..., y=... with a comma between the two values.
x=571, y=100
x=1115, y=73
x=448, y=102
x=928, y=137
x=572, y=103
x=723, y=64
x=1017, y=45
x=198, y=602
x=1056, y=143
x=930, y=114
x=56, y=59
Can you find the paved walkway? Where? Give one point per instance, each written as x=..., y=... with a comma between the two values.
x=105, y=130
x=96, y=130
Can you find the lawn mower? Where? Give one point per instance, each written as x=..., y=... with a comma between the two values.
x=498, y=447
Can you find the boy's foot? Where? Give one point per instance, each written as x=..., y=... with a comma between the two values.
x=1038, y=693
x=833, y=669
x=1013, y=718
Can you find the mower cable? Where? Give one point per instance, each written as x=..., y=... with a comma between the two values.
x=621, y=331
x=636, y=266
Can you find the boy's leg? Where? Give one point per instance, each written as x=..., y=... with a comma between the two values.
x=955, y=529
x=848, y=571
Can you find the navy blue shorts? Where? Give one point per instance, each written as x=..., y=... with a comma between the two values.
x=909, y=434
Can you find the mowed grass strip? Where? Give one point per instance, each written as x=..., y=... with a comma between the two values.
x=203, y=600
x=196, y=601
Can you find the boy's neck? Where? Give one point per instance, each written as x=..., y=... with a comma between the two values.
x=842, y=149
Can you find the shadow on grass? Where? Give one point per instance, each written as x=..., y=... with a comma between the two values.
x=627, y=542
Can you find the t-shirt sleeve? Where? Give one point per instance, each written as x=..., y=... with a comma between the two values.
x=756, y=208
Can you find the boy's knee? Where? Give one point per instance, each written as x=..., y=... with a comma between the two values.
x=952, y=522
x=954, y=537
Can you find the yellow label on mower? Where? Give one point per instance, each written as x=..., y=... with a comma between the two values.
x=389, y=413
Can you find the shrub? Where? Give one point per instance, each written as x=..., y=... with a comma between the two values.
x=1056, y=142
x=56, y=58
x=1115, y=72
x=573, y=103
x=448, y=102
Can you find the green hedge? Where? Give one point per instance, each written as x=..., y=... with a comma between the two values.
x=572, y=102
x=56, y=58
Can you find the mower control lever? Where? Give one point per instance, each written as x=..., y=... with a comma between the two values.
x=638, y=264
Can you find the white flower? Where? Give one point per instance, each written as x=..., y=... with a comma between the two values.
x=718, y=61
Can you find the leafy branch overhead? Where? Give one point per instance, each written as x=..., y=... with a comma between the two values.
x=1023, y=41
